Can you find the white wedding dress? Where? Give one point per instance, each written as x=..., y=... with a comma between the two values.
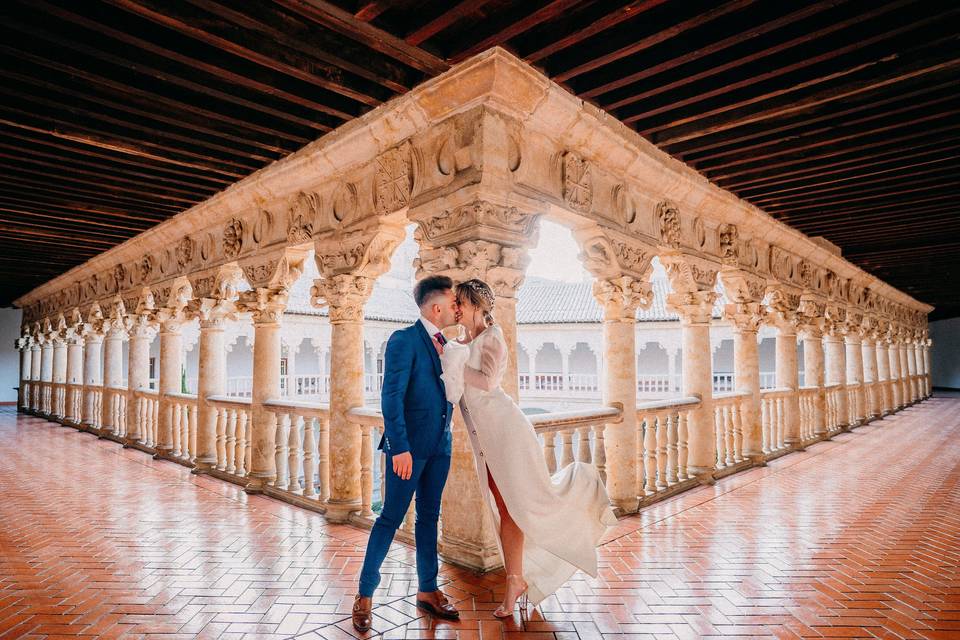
x=562, y=517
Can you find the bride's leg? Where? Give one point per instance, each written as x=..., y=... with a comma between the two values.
x=511, y=536
x=511, y=539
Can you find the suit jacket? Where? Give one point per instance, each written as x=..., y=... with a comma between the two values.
x=416, y=414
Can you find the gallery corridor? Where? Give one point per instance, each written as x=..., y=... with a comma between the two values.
x=858, y=537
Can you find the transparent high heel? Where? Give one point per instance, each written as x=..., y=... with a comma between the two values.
x=502, y=611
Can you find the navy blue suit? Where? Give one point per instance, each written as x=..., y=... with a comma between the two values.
x=416, y=418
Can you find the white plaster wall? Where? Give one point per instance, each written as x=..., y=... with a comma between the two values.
x=9, y=356
x=945, y=353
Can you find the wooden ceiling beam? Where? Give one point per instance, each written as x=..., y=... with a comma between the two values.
x=619, y=80
x=646, y=42
x=345, y=23
x=96, y=215
x=547, y=12
x=30, y=186
x=278, y=58
x=455, y=13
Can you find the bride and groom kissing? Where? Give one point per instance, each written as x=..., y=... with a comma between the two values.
x=548, y=526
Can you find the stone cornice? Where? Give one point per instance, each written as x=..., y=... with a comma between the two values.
x=369, y=165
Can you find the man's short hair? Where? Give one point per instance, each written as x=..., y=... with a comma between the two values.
x=430, y=286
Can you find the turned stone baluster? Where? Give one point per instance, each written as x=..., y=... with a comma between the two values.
x=309, y=458
x=673, y=420
x=293, y=453
x=650, y=452
x=566, y=456
x=241, y=450
x=550, y=451
x=141, y=333
x=682, y=445
x=662, y=427
x=584, y=454
x=281, y=444
x=720, y=436
x=230, y=440
x=323, y=458
x=366, y=471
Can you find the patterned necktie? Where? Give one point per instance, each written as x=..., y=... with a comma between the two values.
x=439, y=338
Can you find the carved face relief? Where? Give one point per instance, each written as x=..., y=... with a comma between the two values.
x=120, y=276
x=184, y=252
x=805, y=272
x=392, y=182
x=668, y=219
x=233, y=238
x=729, y=243
x=577, y=182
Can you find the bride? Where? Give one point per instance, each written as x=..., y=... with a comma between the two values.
x=548, y=526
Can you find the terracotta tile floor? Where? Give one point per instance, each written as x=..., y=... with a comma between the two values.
x=855, y=538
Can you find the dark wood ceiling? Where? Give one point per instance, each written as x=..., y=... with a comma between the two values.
x=837, y=117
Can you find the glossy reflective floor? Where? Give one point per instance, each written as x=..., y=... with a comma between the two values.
x=858, y=537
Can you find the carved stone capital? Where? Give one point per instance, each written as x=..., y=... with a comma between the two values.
x=621, y=297
x=694, y=307
x=217, y=294
x=607, y=253
x=115, y=324
x=811, y=315
x=274, y=270
x=505, y=225
x=689, y=273
x=265, y=305
x=744, y=316
x=92, y=327
x=500, y=266
x=171, y=300
x=344, y=295
x=783, y=307
x=836, y=321
x=363, y=249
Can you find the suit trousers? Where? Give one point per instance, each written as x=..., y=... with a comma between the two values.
x=427, y=480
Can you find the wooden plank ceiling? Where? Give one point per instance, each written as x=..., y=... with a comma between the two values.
x=837, y=117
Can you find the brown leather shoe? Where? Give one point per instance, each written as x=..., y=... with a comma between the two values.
x=436, y=604
x=362, y=613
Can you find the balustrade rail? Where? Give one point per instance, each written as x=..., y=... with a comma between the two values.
x=233, y=434
x=574, y=429
x=834, y=400
x=808, y=414
x=74, y=403
x=184, y=420
x=773, y=418
x=148, y=415
x=662, y=436
x=728, y=427
x=302, y=448
x=115, y=420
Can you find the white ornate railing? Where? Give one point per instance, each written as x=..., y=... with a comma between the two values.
x=115, y=401
x=662, y=435
x=808, y=413
x=184, y=420
x=723, y=382
x=570, y=425
x=302, y=448
x=59, y=399
x=773, y=418
x=148, y=415
x=74, y=402
x=728, y=427
x=233, y=431
x=654, y=383
x=834, y=419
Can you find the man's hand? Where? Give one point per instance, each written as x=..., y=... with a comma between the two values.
x=403, y=465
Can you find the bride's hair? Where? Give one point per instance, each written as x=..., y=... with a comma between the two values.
x=480, y=295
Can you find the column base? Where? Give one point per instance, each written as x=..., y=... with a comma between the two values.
x=469, y=555
x=134, y=443
x=339, y=511
x=110, y=435
x=204, y=466
x=626, y=506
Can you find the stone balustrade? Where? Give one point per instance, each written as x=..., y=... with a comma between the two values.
x=475, y=158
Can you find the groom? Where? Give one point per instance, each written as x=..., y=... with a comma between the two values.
x=416, y=441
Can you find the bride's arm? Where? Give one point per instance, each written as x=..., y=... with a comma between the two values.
x=492, y=355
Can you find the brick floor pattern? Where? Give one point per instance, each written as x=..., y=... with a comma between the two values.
x=857, y=537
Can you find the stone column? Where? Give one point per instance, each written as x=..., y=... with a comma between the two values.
x=882, y=356
x=835, y=353
x=35, y=367
x=926, y=365
x=912, y=370
x=896, y=386
x=92, y=373
x=868, y=355
x=812, y=311
x=74, y=372
x=854, y=374
x=695, y=311
x=59, y=371
x=46, y=368
x=620, y=299
x=171, y=363
x=784, y=303
x=23, y=344
x=112, y=375
x=903, y=358
x=212, y=308
x=141, y=332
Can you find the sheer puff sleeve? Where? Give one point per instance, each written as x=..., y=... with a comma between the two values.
x=452, y=362
x=493, y=353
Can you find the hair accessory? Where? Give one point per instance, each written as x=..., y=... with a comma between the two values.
x=483, y=290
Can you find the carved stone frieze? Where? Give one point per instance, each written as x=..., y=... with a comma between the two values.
x=478, y=218
x=265, y=305
x=668, y=223
x=361, y=250
x=277, y=269
x=343, y=294
x=783, y=306
x=304, y=210
x=233, y=238
x=781, y=264
x=577, y=182
x=728, y=241
x=606, y=253
x=393, y=180
x=216, y=302
x=689, y=273
x=185, y=253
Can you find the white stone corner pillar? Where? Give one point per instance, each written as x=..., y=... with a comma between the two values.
x=912, y=369
x=74, y=375
x=784, y=305
x=903, y=360
x=868, y=355
x=170, y=368
x=835, y=353
x=927, y=345
x=92, y=376
x=896, y=387
x=882, y=356
x=854, y=368
x=112, y=375
x=23, y=399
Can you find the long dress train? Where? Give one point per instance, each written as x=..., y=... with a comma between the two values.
x=562, y=516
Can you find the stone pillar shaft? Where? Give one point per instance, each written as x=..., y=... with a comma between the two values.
x=92, y=376
x=74, y=375
x=813, y=376
x=837, y=372
x=904, y=373
x=26, y=361
x=854, y=361
x=138, y=378
x=620, y=386
x=746, y=370
x=697, y=377
x=868, y=355
x=171, y=362
x=112, y=377
x=346, y=392
x=211, y=381
x=46, y=362
x=787, y=378
x=883, y=375
x=59, y=373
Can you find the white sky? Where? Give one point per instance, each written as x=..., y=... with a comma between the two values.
x=555, y=257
